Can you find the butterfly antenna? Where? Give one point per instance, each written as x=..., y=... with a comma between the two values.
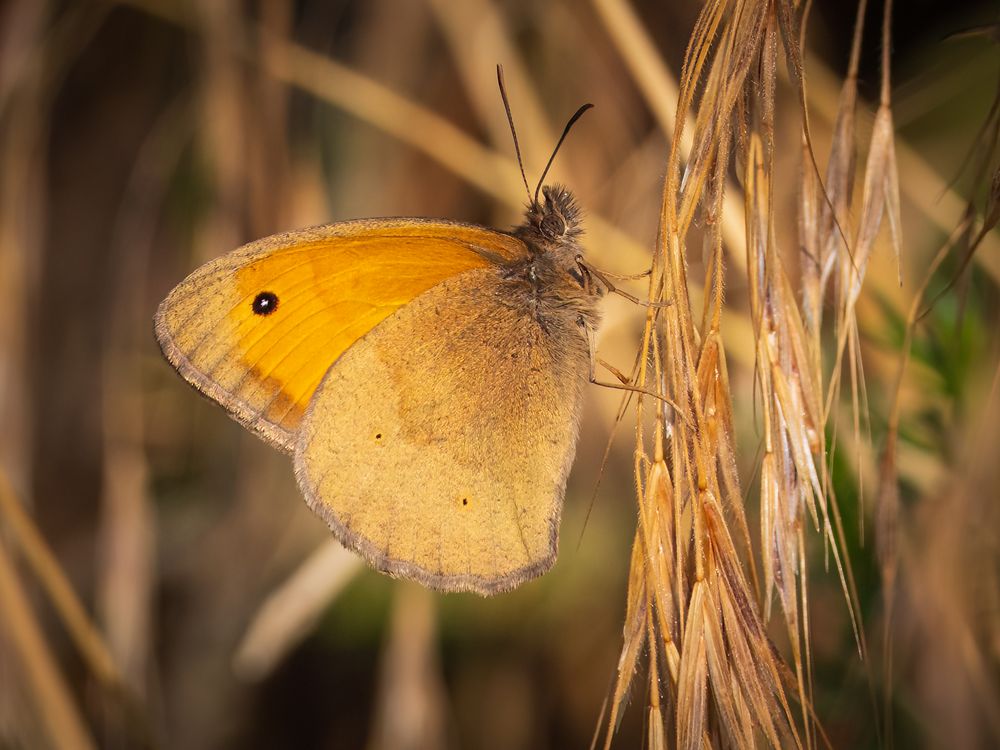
x=576, y=116
x=513, y=132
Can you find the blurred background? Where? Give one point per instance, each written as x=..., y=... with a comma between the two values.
x=140, y=139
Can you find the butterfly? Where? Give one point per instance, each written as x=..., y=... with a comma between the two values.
x=426, y=376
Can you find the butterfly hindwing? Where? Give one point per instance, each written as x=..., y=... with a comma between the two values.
x=438, y=446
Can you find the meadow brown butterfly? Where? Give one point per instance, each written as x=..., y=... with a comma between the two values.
x=426, y=376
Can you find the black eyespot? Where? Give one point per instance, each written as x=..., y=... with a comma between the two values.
x=265, y=303
x=378, y=435
x=465, y=501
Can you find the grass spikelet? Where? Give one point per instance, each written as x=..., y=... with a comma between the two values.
x=692, y=692
x=821, y=242
x=657, y=542
x=634, y=639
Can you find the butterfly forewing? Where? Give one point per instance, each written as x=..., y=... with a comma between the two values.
x=256, y=330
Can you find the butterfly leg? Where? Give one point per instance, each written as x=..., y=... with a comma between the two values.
x=603, y=277
x=625, y=384
x=611, y=274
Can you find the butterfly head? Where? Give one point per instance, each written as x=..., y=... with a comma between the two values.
x=555, y=218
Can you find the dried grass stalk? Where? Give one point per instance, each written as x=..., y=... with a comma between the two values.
x=706, y=603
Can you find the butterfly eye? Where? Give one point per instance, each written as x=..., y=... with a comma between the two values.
x=553, y=226
x=265, y=303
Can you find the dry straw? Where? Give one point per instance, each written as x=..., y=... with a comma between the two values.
x=695, y=602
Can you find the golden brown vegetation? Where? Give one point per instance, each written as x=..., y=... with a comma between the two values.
x=823, y=348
